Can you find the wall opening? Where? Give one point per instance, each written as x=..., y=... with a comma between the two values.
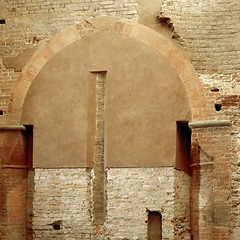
x=218, y=107
x=2, y=21
x=29, y=142
x=154, y=225
x=56, y=225
x=183, y=146
x=30, y=180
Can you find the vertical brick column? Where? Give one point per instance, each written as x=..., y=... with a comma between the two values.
x=13, y=183
x=98, y=191
x=210, y=182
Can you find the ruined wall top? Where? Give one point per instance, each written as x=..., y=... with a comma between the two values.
x=209, y=31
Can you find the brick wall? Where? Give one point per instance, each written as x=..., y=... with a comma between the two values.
x=61, y=196
x=65, y=195
x=209, y=32
x=130, y=193
x=13, y=184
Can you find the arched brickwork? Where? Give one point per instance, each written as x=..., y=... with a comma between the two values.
x=174, y=55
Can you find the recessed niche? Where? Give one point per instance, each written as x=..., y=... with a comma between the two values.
x=218, y=107
x=214, y=89
x=183, y=146
x=2, y=21
x=57, y=227
x=154, y=225
x=1, y=112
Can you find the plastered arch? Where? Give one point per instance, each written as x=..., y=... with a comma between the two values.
x=174, y=55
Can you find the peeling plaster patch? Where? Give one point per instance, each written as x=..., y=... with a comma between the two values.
x=18, y=62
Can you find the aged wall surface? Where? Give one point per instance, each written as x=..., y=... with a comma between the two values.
x=209, y=31
x=67, y=84
x=131, y=193
x=61, y=197
x=28, y=23
x=61, y=202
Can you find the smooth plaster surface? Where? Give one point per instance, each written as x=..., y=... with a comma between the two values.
x=144, y=99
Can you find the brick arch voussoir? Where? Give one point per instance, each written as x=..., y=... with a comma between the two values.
x=174, y=55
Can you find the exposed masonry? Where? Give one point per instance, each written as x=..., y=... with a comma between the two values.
x=130, y=191
x=62, y=195
x=207, y=27
x=209, y=30
x=98, y=181
x=181, y=219
x=166, y=21
x=28, y=23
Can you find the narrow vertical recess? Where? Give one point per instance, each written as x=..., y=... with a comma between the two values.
x=30, y=181
x=154, y=225
x=99, y=198
x=183, y=146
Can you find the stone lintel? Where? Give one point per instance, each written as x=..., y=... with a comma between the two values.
x=12, y=128
x=210, y=123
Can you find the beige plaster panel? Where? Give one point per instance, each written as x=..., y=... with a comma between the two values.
x=144, y=99
x=148, y=12
x=19, y=61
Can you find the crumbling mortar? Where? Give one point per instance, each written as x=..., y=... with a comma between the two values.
x=90, y=173
x=168, y=22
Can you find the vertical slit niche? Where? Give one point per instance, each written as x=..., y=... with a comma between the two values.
x=154, y=225
x=29, y=138
x=99, y=195
x=30, y=180
x=183, y=146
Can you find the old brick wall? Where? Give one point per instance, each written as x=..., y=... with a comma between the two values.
x=211, y=183
x=29, y=22
x=13, y=182
x=61, y=196
x=66, y=195
x=131, y=192
x=209, y=32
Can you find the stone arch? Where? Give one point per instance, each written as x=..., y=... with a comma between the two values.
x=174, y=55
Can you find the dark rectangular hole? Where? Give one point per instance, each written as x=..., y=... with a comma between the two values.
x=154, y=225
x=1, y=112
x=2, y=21
x=183, y=146
x=56, y=227
x=29, y=139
